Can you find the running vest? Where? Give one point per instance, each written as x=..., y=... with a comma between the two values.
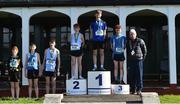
x=51, y=57
x=76, y=42
x=98, y=28
x=32, y=62
x=118, y=43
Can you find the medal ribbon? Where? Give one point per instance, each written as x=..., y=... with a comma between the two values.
x=76, y=35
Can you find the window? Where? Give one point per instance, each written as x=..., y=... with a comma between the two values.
x=7, y=35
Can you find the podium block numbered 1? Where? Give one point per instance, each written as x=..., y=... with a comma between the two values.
x=99, y=82
x=76, y=87
x=120, y=89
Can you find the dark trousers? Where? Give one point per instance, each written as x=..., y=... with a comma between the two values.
x=135, y=75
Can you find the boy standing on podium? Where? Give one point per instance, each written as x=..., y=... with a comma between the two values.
x=98, y=31
x=118, y=45
x=77, y=42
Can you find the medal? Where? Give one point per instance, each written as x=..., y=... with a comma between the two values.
x=99, y=30
x=132, y=47
x=31, y=60
x=51, y=54
x=132, y=52
x=76, y=35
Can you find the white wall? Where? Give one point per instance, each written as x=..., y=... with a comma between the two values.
x=121, y=11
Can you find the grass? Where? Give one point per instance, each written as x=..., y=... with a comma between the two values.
x=164, y=99
x=9, y=100
x=170, y=99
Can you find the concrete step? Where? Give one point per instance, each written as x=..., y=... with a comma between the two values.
x=102, y=99
x=144, y=98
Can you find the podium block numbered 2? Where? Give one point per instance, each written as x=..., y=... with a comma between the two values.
x=120, y=89
x=76, y=87
x=99, y=82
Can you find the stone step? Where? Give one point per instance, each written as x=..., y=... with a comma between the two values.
x=100, y=99
x=144, y=98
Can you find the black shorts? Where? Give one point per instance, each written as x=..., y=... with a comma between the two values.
x=98, y=45
x=33, y=74
x=50, y=74
x=118, y=57
x=76, y=53
x=14, y=76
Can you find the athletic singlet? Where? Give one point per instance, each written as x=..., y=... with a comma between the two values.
x=51, y=57
x=118, y=43
x=98, y=28
x=32, y=62
x=76, y=42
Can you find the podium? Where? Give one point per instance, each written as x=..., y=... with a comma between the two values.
x=99, y=82
x=120, y=89
x=76, y=87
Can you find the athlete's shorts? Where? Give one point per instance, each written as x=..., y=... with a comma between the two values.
x=76, y=53
x=98, y=45
x=14, y=76
x=50, y=74
x=118, y=57
x=33, y=74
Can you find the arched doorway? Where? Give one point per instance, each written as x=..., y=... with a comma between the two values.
x=51, y=24
x=10, y=35
x=85, y=20
x=152, y=27
x=177, y=21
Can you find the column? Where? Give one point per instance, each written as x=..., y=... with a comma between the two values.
x=122, y=21
x=172, y=48
x=25, y=41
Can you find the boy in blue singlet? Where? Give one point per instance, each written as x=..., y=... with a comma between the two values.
x=33, y=65
x=51, y=65
x=118, y=45
x=98, y=31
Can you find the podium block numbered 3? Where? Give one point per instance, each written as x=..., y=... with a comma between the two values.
x=120, y=89
x=76, y=87
x=99, y=82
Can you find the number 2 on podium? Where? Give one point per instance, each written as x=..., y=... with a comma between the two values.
x=100, y=79
x=76, y=85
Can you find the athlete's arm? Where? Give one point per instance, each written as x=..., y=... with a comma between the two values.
x=44, y=61
x=82, y=38
x=105, y=28
x=59, y=63
x=39, y=63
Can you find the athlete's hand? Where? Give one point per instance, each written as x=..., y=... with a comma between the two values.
x=58, y=73
x=40, y=74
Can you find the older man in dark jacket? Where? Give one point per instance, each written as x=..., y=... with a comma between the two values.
x=136, y=53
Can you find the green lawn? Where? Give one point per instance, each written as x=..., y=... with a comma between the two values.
x=169, y=99
x=165, y=99
x=8, y=100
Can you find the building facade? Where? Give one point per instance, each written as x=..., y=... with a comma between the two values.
x=158, y=23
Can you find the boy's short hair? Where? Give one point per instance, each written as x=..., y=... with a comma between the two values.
x=76, y=25
x=118, y=27
x=52, y=40
x=32, y=44
x=98, y=11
